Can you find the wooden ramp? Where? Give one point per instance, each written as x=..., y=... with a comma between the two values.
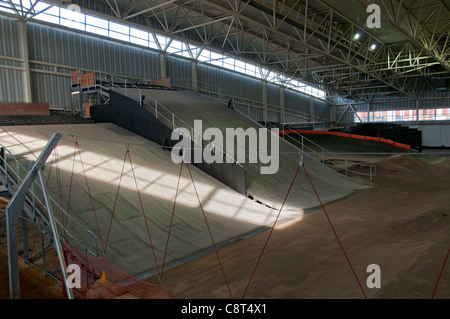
x=230, y=216
x=269, y=189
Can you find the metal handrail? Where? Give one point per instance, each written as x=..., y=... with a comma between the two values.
x=372, y=168
x=348, y=163
x=34, y=200
x=323, y=151
x=114, y=82
x=238, y=100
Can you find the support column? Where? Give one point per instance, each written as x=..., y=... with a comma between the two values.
x=26, y=252
x=194, y=76
x=163, y=65
x=13, y=211
x=311, y=109
x=332, y=113
x=264, y=100
x=417, y=110
x=26, y=79
x=282, y=106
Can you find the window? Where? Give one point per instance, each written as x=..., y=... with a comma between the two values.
x=442, y=114
x=427, y=114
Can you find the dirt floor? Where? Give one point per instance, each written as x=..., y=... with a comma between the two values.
x=401, y=224
x=33, y=285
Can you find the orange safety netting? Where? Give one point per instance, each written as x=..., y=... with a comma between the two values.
x=102, y=280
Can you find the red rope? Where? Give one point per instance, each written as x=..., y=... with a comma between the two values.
x=171, y=220
x=143, y=212
x=89, y=192
x=70, y=190
x=115, y=201
x=270, y=233
x=209, y=230
x=335, y=234
x=58, y=180
x=440, y=274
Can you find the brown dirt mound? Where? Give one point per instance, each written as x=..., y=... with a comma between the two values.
x=401, y=162
x=401, y=224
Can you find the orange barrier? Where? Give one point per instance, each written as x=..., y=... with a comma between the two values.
x=401, y=145
x=85, y=79
x=87, y=109
x=370, y=138
x=386, y=141
x=358, y=137
x=342, y=134
x=354, y=136
x=317, y=132
x=75, y=76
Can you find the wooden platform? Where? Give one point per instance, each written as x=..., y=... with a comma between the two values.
x=103, y=146
x=24, y=109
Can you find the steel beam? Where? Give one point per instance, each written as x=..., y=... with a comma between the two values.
x=14, y=210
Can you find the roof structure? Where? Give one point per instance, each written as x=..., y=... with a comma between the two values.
x=360, y=49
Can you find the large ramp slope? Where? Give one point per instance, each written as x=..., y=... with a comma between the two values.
x=270, y=189
x=103, y=147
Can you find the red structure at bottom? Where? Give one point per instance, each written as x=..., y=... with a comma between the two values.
x=101, y=280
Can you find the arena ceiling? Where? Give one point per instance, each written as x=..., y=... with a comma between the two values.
x=325, y=42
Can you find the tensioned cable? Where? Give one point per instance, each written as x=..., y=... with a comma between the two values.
x=209, y=229
x=152, y=144
x=171, y=220
x=334, y=231
x=440, y=274
x=270, y=233
x=143, y=212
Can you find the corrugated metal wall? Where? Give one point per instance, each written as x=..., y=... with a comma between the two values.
x=52, y=89
x=179, y=70
x=11, y=86
x=229, y=82
x=53, y=52
x=10, y=78
x=88, y=52
x=9, y=33
x=347, y=118
x=319, y=108
x=296, y=102
x=273, y=100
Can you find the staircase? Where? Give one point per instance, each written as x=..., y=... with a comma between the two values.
x=35, y=214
